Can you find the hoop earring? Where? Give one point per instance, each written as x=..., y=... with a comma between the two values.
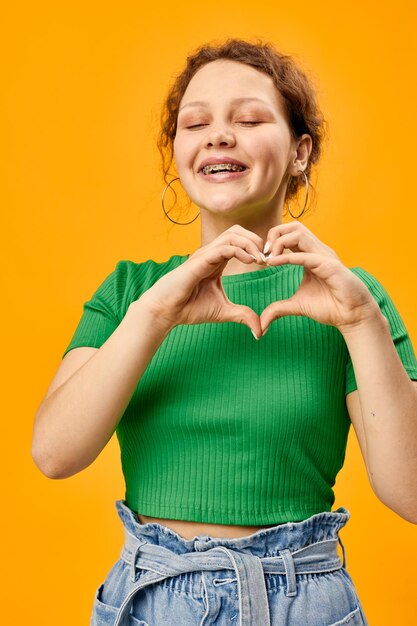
x=305, y=203
x=163, y=207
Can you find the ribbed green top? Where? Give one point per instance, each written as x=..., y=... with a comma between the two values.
x=225, y=429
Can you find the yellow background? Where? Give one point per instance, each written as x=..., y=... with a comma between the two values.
x=83, y=84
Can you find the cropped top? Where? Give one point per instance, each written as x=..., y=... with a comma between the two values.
x=225, y=429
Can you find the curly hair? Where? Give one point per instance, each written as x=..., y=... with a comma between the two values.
x=300, y=100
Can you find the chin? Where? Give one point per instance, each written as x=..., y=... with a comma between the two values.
x=223, y=210
x=224, y=204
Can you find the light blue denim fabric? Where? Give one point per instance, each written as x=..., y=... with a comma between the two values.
x=290, y=574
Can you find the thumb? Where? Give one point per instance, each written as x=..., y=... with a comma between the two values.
x=278, y=309
x=242, y=314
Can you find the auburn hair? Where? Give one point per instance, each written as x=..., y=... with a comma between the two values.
x=298, y=92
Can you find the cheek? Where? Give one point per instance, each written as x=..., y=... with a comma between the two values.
x=266, y=146
x=275, y=154
x=183, y=152
x=176, y=149
x=271, y=160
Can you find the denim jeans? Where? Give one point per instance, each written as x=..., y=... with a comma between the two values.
x=290, y=574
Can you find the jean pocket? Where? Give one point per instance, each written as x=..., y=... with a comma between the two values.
x=105, y=614
x=354, y=618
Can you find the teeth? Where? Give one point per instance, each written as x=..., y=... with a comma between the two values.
x=219, y=167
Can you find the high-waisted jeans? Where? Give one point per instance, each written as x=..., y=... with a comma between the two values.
x=290, y=574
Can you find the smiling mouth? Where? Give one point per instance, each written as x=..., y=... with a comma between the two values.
x=223, y=176
x=223, y=167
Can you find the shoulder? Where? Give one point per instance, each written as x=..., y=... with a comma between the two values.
x=362, y=273
x=146, y=271
x=371, y=281
x=382, y=297
x=130, y=279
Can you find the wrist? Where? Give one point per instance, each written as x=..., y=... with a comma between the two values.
x=142, y=309
x=375, y=321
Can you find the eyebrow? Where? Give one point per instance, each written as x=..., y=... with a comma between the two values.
x=234, y=101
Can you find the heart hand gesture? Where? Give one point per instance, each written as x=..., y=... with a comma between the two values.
x=329, y=292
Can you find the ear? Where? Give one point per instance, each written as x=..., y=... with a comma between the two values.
x=302, y=151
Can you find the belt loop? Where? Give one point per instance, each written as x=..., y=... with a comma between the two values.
x=291, y=587
x=134, y=557
x=344, y=551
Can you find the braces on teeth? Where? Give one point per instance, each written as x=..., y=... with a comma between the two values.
x=218, y=167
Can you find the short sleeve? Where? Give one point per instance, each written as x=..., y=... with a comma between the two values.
x=398, y=330
x=99, y=319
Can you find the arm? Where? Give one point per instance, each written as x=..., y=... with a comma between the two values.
x=78, y=417
x=383, y=412
x=75, y=422
x=385, y=417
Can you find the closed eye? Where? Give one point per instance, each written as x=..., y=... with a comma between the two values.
x=198, y=125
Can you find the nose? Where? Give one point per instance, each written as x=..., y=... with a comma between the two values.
x=220, y=137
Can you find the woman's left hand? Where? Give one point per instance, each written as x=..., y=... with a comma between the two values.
x=329, y=292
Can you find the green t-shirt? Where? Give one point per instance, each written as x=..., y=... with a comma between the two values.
x=225, y=429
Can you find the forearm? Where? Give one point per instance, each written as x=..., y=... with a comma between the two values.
x=77, y=420
x=388, y=401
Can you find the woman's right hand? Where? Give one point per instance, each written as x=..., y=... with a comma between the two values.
x=193, y=292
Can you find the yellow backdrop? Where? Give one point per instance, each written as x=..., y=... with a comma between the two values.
x=83, y=85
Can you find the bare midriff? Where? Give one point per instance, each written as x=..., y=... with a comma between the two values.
x=189, y=530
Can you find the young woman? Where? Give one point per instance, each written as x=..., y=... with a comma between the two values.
x=231, y=440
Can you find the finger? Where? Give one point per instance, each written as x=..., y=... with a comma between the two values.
x=213, y=260
x=288, y=227
x=278, y=309
x=307, y=259
x=242, y=314
x=283, y=229
x=296, y=241
x=257, y=240
x=244, y=243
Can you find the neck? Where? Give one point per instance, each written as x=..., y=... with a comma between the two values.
x=212, y=225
